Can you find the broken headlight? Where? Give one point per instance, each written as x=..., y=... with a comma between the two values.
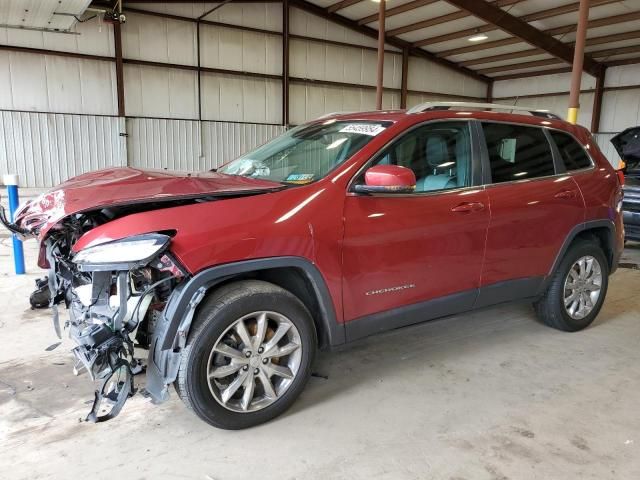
x=122, y=254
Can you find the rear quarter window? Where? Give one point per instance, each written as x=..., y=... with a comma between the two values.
x=571, y=152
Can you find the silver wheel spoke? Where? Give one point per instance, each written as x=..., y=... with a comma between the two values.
x=268, y=386
x=282, y=351
x=279, y=371
x=242, y=332
x=570, y=299
x=225, y=370
x=233, y=387
x=247, y=395
x=228, y=351
x=261, y=330
x=280, y=332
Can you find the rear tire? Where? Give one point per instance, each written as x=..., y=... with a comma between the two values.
x=266, y=384
x=577, y=289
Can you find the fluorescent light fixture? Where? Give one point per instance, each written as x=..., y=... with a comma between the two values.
x=478, y=37
x=519, y=174
x=446, y=164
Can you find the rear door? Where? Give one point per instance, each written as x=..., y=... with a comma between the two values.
x=534, y=207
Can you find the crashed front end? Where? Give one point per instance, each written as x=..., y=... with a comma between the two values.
x=115, y=294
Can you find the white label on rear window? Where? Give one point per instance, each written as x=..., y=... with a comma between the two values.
x=371, y=129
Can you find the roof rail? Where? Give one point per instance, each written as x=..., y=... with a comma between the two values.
x=424, y=107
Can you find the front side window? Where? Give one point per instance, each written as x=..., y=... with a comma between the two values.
x=572, y=153
x=306, y=153
x=438, y=153
x=517, y=152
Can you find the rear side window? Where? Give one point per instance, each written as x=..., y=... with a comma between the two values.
x=517, y=152
x=572, y=153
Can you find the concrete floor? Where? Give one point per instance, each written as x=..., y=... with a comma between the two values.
x=489, y=395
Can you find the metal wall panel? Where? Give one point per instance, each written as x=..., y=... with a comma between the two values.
x=224, y=141
x=318, y=61
x=46, y=149
x=234, y=49
x=160, y=92
x=241, y=99
x=557, y=82
x=93, y=39
x=431, y=77
x=267, y=16
x=311, y=101
x=164, y=144
x=46, y=83
x=156, y=39
x=604, y=142
x=620, y=110
x=309, y=25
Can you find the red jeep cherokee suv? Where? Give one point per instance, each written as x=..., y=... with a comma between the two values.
x=347, y=226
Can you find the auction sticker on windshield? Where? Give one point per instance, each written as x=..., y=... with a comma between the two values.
x=371, y=129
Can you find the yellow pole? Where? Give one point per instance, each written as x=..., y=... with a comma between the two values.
x=578, y=58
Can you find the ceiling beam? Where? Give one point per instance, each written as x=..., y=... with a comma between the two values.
x=553, y=61
x=397, y=10
x=532, y=17
x=393, y=41
x=449, y=17
x=342, y=4
x=625, y=61
x=522, y=29
x=515, y=76
x=616, y=37
x=563, y=30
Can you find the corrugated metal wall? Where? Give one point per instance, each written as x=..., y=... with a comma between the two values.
x=224, y=141
x=46, y=148
x=191, y=145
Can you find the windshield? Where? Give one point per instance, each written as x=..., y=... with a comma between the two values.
x=306, y=153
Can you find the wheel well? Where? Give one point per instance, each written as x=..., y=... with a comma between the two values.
x=298, y=283
x=603, y=236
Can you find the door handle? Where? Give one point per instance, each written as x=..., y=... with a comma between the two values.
x=468, y=207
x=566, y=194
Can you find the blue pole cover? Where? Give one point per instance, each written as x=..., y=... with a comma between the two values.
x=18, y=252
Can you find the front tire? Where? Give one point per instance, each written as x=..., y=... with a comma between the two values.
x=248, y=356
x=577, y=289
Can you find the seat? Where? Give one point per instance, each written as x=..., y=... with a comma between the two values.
x=437, y=154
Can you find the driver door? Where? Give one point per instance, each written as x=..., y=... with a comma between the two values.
x=411, y=257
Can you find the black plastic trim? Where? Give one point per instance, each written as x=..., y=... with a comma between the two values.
x=571, y=237
x=508, y=291
x=212, y=276
x=410, y=314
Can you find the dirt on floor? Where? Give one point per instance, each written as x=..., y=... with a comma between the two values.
x=489, y=395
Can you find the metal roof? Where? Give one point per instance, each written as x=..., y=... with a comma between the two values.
x=41, y=14
x=443, y=29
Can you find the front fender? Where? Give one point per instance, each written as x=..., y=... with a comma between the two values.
x=172, y=330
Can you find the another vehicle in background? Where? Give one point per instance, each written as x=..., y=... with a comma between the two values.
x=627, y=143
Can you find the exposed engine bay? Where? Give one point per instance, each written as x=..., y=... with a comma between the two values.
x=112, y=307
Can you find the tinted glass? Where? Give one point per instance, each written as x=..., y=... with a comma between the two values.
x=572, y=153
x=438, y=153
x=517, y=152
x=306, y=153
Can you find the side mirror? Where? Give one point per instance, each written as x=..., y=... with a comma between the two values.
x=387, y=179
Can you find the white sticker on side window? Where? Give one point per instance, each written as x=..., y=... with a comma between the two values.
x=371, y=129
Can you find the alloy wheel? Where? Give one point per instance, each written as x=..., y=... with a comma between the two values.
x=582, y=287
x=254, y=361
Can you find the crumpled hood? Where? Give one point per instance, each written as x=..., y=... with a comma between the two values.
x=123, y=186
